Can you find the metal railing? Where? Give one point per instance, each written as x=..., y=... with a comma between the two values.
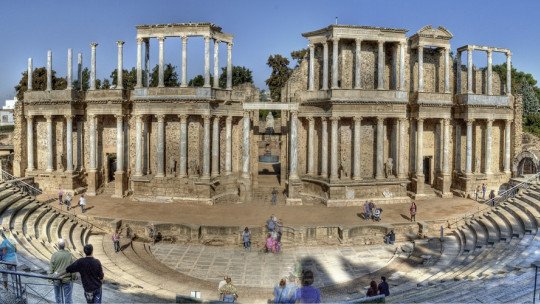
x=20, y=289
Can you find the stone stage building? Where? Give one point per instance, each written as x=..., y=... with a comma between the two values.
x=369, y=114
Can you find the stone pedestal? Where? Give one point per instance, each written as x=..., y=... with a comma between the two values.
x=119, y=184
x=293, y=190
x=92, y=181
x=418, y=186
x=446, y=182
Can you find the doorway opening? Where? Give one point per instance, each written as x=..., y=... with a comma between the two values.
x=427, y=169
x=111, y=166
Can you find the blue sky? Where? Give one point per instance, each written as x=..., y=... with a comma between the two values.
x=261, y=28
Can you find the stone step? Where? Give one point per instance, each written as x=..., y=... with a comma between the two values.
x=527, y=223
x=510, y=220
x=505, y=231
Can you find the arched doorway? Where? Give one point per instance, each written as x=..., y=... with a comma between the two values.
x=527, y=166
x=526, y=162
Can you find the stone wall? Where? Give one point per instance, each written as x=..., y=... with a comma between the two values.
x=19, y=140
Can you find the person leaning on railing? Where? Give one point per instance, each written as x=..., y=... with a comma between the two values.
x=60, y=260
x=9, y=255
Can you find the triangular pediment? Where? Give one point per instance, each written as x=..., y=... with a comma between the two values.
x=439, y=32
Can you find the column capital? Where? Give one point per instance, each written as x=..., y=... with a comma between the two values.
x=358, y=41
x=357, y=118
x=29, y=117
x=489, y=121
x=489, y=52
x=324, y=43
x=120, y=43
x=183, y=118
x=509, y=54
x=48, y=117
x=229, y=45
x=323, y=118
x=246, y=114
x=184, y=39
x=446, y=121
x=161, y=38
x=94, y=45
x=217, y=41
x=217, y=118
x=206, y=118
x=508, y=120
x=334, y=39
x=294, y=113
x=420, y=119
x=207, y=38
x=68, y=116
x=402, y=119
x=160, y=117
x=381, y=42
x=140, y=40
x=310, y=119
x=380, y=119
x=311, y=45
x=469, y=121
x=470, y=49
x=119, y=117
x=334, y=119
x=228, y=119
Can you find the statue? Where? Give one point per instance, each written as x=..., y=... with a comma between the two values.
x=172, y=166
x=269, y=123
x=389, y=167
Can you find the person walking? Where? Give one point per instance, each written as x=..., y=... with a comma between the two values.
x=60, y=260
x=8, y=248
x=91, y=275
x=477, y=192
x=246, y=238
x=116, y=241
x=82, y=202
x=413, y=210
x=67, y=200
x=271, y=224
x=274, y=196
x=484, y=189
x=492, y=197
x=230, y=294
x=308, y=293
x=384, y=289
x=367, y=211
x=60, y=196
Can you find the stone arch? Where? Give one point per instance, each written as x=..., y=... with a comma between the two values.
x=526, y=162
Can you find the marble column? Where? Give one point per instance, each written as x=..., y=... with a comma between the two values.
x=69, y=77
x=147, y=62
x=420, y=68
x=419, y=149
x=206, y=62
x=138, y=145
x=446, y=146
x=335, y=63
x=311, y=84
x=468, y=160
x=380, y=65
x=324, y=147
x=92, y=137
x=183, y=146
x=447, y=67
x=508, y=73
x=215, y=146
x=120, y=68
x=79, y=71
x=489, y=141
x=50, y=144
x=402, y=48
x=119, y=143
x=93, y=46
x=229, y=66
x=325, y=66
x=206, y=147
x=334, y=148
x=294, y=146
x=80, y=161
x=216, y=63
x=161, y=76
x=489, y=84
x=379, y=174
x=29, y=72
x=457, y=164
x=184, y=82
x=401, y=149
x=507, y=125
x=245, y=146
x=358, y=64
x=160, y=147
x=311, y=146
x=30, y=142
x=49, y=70
x=469, y=71
x=357, y=174
x=69, y=143
x=458, y=73
x=228, y=145
x=139, y=63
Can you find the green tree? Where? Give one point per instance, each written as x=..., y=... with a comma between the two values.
x=85, y=80
x=39, y=82
x=299, y=55
x=105, y=84
x=170, y=77
x=129, y=78
x=197, y=81
x=279, y=76
x=240, y=75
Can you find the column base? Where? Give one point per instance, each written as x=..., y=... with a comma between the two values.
x=92, y=180
x=244, y=190
x=160, y=175
x=49, y=170
x=418, y=185
x=446, y=180
x=119, y=184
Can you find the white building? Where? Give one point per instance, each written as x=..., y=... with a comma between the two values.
x=6, y=113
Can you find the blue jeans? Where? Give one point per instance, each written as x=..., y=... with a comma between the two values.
x=93, y=297
x=66, y=288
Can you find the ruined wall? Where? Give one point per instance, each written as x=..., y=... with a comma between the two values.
x=19, y=140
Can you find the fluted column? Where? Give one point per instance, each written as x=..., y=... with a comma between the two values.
x=139, y=63
x=420, y=68
x=183, y=146
x=507, y=125
x=184, y=62
x=380, y=66
x=245, y=146
x=489, y=85
x=294, y=146
x=311, y=146
x=215, y=146
x=469, y=70
x=93, y=46
x=379, y=174
x=30, y=142
x=457, y=160
x=357, y=174
x=229, y=66
x=160, y=149
x=358, y=64
x=92, y=153
x=206, y=61
x=147, y=62
x=119, y=143
x=458, y=73
x=49, y=70
x=69, y=77
x=334, y=148
x=29, y=72
x=228, y=145
x=402, y=47
x=206, y=147
x=489, y=141
x=447, y=67
x=69, y=143
x=138, y=145
x=468, y=160
x=401, y=149
x=508, y=73
x=311, y=84
x=419, y=148
x=120, y=67
x=216, y=63
x=446, y=146
x=50, y=165
x=324, y=147
x=335, y=63
x=325, y=66
x=161, y=76
x=79, y=71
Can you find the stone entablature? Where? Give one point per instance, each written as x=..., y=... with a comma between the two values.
x=182, y=29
